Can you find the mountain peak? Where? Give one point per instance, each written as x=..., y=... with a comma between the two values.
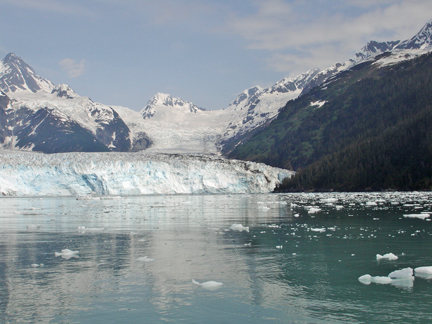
x=10, y=57
x=374, y=48
x=17, y=76
x=163, y=100
x=421, y=40
x=294, y=84
x=64, y=91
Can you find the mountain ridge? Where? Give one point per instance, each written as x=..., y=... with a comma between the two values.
x=166, y=123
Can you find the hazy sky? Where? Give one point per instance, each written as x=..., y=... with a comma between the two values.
x=122, y=52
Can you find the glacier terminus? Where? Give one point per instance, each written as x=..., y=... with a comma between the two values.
x=66, y=174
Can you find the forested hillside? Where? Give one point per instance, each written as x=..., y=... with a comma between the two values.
x=370, y=128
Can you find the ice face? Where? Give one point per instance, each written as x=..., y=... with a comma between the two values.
x=34, y=174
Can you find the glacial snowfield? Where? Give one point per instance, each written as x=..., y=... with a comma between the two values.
x=65, y=174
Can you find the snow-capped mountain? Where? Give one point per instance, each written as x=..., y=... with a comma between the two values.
x=17, y=76
x=421, y=40
x=37, y=115
x=255, y=107
x=177, y=126
x=43, y=117
x=419, y=44
x=162, y=106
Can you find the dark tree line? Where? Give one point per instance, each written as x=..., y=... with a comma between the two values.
x=371, y=133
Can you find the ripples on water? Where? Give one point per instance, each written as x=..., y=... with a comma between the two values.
x=299, y=262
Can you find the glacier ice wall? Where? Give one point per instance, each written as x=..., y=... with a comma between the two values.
x=36, y=174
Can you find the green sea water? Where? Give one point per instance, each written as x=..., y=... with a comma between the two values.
x=297, y=258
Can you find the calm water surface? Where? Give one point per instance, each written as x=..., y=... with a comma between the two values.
x=299, y=262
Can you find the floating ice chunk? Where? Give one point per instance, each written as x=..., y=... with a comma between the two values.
x=239, y=228
x=280, y=247
x=387, y=256
x=314, y=210
x=423, y=272
x=403, y=283
x=368, y=279
x=90, y=229
x=405, y=273
x=320, y=230
x=67, y=254
x=365, y=279
x=381, y=280
x=87, y=197
x=33, y=227
x=209, y=285
x=329, y=200
x=145, y=259
x=371, y=203
x=420, y=216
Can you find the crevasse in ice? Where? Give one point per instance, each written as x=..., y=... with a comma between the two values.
x=35, y=174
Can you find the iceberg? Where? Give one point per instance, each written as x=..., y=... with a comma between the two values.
x=145, y=259
x=406, y=273
x=420, y=216
x=67, y=254
x=239, y=228
x=423, y=272
x=387, y=256
x=209, y=285
x=87, y=175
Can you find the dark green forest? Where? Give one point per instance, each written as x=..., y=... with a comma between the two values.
x=374, y=131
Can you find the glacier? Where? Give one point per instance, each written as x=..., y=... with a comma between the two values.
x=66, y=174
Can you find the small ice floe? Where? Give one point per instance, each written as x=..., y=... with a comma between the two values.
x=88, y=197
x=67, y=254
x=273, y=226
x=319, y=230
x=209, y=285
x=420, y=216
x=33, y=228
x=368, y=279
x=329, y=200
x=35, y=265
x=248, y=244
x=239, y=228
x=423, y=272
x=406, y=273
x=145, y=259
x=371, y=203
x=387, y=256
x=381, y=280
x=111, y=197
x=90, y=229
x=280, y=247
x=401, y=278
x=314, y=210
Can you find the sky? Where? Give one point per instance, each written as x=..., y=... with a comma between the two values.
x=123, y=52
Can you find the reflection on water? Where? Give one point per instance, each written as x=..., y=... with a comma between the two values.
x=133, y=259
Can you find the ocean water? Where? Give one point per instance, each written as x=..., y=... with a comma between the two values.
x=289, y=258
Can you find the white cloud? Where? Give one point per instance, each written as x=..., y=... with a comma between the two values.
x=72, y=67
x=295, y=38
x=58, y=6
